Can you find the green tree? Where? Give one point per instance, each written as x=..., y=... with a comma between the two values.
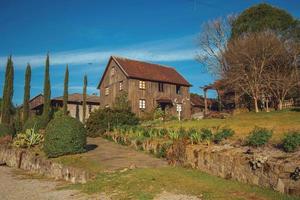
x=263, y=17
x=26, y=93
x=65, y=100
x=121, y=102
x=47, y=92
x=84, y=98
x=8, y=92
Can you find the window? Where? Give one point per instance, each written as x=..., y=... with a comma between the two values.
x=106, y=91
x=160, y=87
x=142, y=85
x=112, y=71
x=142, y=104
x=90, y=108
x=178, y=89
x=121, y=85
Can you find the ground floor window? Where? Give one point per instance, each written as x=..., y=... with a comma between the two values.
x=142, y=104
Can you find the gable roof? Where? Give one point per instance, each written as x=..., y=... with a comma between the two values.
x=147, y=71
x=76, y=97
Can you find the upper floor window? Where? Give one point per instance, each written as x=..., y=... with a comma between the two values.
x=121, y=85
x=160, y=87
x=142, y=104
x=112, y=71
x=178, y=89
x=106, y=91
x=142, y=85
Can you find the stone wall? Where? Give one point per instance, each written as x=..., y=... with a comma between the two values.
x=25, y=160
x=266, y=167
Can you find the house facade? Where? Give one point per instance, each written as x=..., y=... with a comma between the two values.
x=75, y=107
x=147, y=85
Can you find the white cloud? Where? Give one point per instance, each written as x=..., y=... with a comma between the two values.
x=177, y=49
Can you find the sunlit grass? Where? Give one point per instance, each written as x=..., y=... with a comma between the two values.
x=279, y=121
x=147, y=183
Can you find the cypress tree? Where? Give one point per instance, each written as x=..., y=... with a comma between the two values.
x=26, y=93
x=84, y=98
x=8, y=92
x=47, y=92
x=66, y=83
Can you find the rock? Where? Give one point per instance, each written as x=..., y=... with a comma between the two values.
x=280, y=186
x=124, y=170
x=132, y=166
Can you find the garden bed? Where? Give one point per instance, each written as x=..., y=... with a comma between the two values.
x=263, y=166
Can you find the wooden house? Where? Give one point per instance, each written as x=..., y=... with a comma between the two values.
x=75, y=107
x=147, y=85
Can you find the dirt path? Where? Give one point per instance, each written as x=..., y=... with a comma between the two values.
x=14, y=186
x=114, y=156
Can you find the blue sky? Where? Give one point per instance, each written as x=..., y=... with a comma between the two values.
x=84, y=34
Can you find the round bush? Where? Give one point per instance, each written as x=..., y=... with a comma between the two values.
x=259, y=137
x=106, y=119
x=291, y=142
x=64, y=135
x=36, y=122
x=6, y=130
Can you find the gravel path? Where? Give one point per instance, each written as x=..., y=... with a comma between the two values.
x=114, y=156
x=18, y=187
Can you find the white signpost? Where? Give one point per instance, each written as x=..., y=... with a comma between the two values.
x=179, y=109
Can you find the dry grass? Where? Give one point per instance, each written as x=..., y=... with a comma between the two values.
x=279, y=121
x=80, y=161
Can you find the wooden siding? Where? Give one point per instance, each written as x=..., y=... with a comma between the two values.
x=113, y=82
x=151, y=94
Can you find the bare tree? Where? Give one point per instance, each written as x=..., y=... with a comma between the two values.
x=247, y=60
x=282, y=73
x=212, y=43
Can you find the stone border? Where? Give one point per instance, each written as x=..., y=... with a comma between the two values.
x=23, y=159
x=265, y=167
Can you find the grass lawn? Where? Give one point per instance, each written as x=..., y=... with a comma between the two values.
x=147, y=183
x=279, y=121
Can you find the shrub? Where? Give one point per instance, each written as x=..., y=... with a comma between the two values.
x=259, y=137
x=6, y=130
x=291, y=141
x=106, y=119
x=28, y=139
x=64, y=135
x=162, y=150
x=158, y=114
x=206, y=135
x=36, y=122
x=183, y=133
x=195, y=137
x=222, y=134
x=173, y=134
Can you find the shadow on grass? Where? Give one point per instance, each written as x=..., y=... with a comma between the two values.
x=90, y=147
x=296, y=109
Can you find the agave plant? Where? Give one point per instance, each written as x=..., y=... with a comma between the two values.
x=194, y=136
x=28, y=139
x=206, y=135
x=173, y=134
